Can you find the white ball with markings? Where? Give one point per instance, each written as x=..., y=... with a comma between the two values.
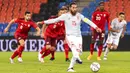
x=95, y=66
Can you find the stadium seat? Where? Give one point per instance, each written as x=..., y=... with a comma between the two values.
x=4, y=26
x=61, y=4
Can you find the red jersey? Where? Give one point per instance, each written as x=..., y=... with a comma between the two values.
x=24, y=27
x=100, y=18
x=61, y=28
x=51, y=30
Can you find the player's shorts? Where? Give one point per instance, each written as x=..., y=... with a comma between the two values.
x=75, y=44
x=96, y=35
x=50, y=41
x=18, y=37
x=113, y=40
x=61, y=37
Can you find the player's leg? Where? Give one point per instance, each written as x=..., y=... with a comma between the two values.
x=93, y=40
x=109, y=46
x=21, y=48
x=100, y=44
x=49, y=48
x=18, y=51
x=66, y=47
x=75, y=46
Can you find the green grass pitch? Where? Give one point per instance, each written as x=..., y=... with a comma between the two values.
x=118, y=62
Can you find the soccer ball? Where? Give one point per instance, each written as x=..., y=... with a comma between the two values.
x=95, y=66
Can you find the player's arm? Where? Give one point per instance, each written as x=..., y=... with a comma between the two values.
x=43, y=30
x=113, y=23
x=123, y=32
x=86, y=20
x=108, y=22
x=60, y=18
x=37, y=28
x=38, y=31
x=8, y=26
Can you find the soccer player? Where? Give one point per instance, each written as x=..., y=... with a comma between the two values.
x=21, y=33
x=61, y=36
x=99, y=17
x=118, y=27
x=50, y=33
x=72, y=21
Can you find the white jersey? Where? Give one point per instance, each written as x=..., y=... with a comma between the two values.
x=72, y=23
x=117, y=26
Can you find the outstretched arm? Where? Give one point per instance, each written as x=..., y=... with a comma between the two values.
x=50, y=21
x=7, y=28
x=86, y=20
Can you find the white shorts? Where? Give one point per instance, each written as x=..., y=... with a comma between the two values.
x=75, y=44
x=113, y=40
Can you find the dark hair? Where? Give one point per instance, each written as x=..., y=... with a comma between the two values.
x=72, y=4
x=101, y=2
x=121, y=13
x=27, y=12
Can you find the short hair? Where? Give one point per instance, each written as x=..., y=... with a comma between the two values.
x=27, y=12
x=101, y=2
x=121, y=13
x=73, y=3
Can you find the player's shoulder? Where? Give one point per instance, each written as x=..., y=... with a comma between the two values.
x=124, y=21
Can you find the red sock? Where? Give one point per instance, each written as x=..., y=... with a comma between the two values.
x=47, y=52
x=66, y=47
x=21, y=48
x=43, y=50
x=100, y=50
x=91, y=48
x=15, y=54
x=53, y=54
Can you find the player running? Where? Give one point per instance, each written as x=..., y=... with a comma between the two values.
x=21, y=34
x=72, y=21
x=99, y=17
x=118, y=27
x=61, y=36
x=50, y=33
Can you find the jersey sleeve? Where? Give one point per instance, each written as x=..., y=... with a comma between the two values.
x=113, y=23
x=86, y=20
x=17, y=20
x=34, y=25
x=60, y=18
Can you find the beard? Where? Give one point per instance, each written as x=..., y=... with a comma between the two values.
x=73, y=12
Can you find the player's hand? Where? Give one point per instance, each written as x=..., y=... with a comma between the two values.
x=42, y=35
x=122, y=35
x=38, y=34
x=118, y=31
x=6, y=30
x=38, y=23
x=98, y=30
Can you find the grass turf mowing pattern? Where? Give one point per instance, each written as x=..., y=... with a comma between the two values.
x=118, y=62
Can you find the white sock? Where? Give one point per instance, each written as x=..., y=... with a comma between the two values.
x=73, y=61
x=106, y=52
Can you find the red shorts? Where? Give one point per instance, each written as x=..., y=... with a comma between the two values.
x=61, y=37
x=50, y=41
x=18, y=37
x=96, y=34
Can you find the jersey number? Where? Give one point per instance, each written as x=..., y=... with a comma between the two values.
x=98, y=18
x=21, y=27
x=73, y=23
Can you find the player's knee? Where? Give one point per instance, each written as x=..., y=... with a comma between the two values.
x=52, y=48
x=22, y=42
x=48, y=46
x=108, y=45
x=114, y=47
